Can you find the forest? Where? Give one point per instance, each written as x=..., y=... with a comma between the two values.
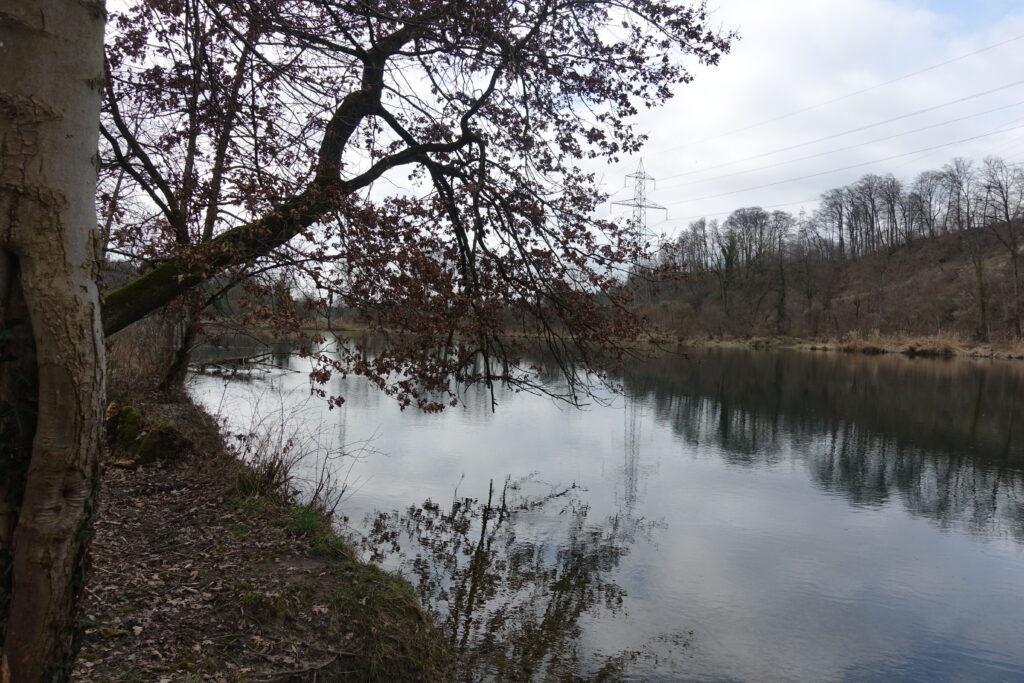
x=937, y=255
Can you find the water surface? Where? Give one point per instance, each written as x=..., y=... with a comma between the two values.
x=734, y=515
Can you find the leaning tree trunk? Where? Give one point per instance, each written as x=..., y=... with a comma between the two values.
x=51, y=352
x=182, y=331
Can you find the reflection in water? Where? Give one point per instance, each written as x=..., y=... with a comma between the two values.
x=818, y=517
x=944, y=438
x=631, y=438
x=512, y=608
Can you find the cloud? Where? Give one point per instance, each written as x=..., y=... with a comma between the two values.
x=798, y=54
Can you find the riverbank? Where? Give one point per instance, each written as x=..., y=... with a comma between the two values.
x=934, y=346
x=938, y=346
x=200, y=574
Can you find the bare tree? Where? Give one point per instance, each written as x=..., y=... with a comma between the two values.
x=1004, y=194
x=928, y=187
x=833, y=210
x=866, y=222
x=961, y=193
x=725, y=263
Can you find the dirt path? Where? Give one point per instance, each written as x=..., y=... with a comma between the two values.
x=191, y=583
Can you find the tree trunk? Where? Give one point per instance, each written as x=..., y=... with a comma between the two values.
x=182, y=331
x=781, y=324
x=1015, y=261
x=980, y=288
x=981, y=294
x=52, y=367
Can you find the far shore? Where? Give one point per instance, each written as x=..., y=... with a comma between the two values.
x=934, y=346
x=937, y=346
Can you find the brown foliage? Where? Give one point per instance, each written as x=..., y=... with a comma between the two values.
x=416, y=162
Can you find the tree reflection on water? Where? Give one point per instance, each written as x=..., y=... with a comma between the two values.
x=512, y=608
x=528, y=581
x=943, y=439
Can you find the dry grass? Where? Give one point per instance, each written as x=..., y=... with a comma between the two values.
x=137, y=355
x=947, y=345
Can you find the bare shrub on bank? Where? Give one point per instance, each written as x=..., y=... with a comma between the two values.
x=290, y=457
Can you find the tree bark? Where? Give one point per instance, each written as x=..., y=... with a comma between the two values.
x=53, y=367
x=182, y=330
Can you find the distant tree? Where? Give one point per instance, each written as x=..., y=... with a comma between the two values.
x=833, y=211
x=757, y=254
x=979, y=285
x=865, y=198
x=243, y=135
x=890, y=191
x=781, y=227
x=961, y=193
x=725, y=263
x=1004, y=211
x=751, y=227
x=51, y=350
x=928, y=192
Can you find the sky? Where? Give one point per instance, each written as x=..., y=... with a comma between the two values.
x=823, y=78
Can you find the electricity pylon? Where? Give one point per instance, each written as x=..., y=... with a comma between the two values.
x=639, y=202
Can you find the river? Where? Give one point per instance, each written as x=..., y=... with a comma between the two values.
x=732, y=515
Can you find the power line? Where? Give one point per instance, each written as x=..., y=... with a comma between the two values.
x=771, y=206
x=847, y=148
x=851, y=130
x=801, y=202
x=1012, y=147
x=846, y=168
x=848, y=95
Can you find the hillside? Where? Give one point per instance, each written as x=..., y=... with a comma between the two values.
x=957, y=284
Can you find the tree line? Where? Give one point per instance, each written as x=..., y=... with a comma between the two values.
x=775, y=272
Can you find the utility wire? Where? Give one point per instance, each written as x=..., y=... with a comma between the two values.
x=773, y=206
x=848, y=95
x=843, y=149
x=851, y=130
x=851, y=166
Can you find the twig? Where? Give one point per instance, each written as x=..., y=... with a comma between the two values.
x=286, y=675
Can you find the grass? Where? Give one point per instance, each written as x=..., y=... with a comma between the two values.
x=947, y=345
x=306, y=519
x=379, y=608
x=383, y=608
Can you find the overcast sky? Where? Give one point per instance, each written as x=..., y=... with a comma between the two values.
x=796, y=54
